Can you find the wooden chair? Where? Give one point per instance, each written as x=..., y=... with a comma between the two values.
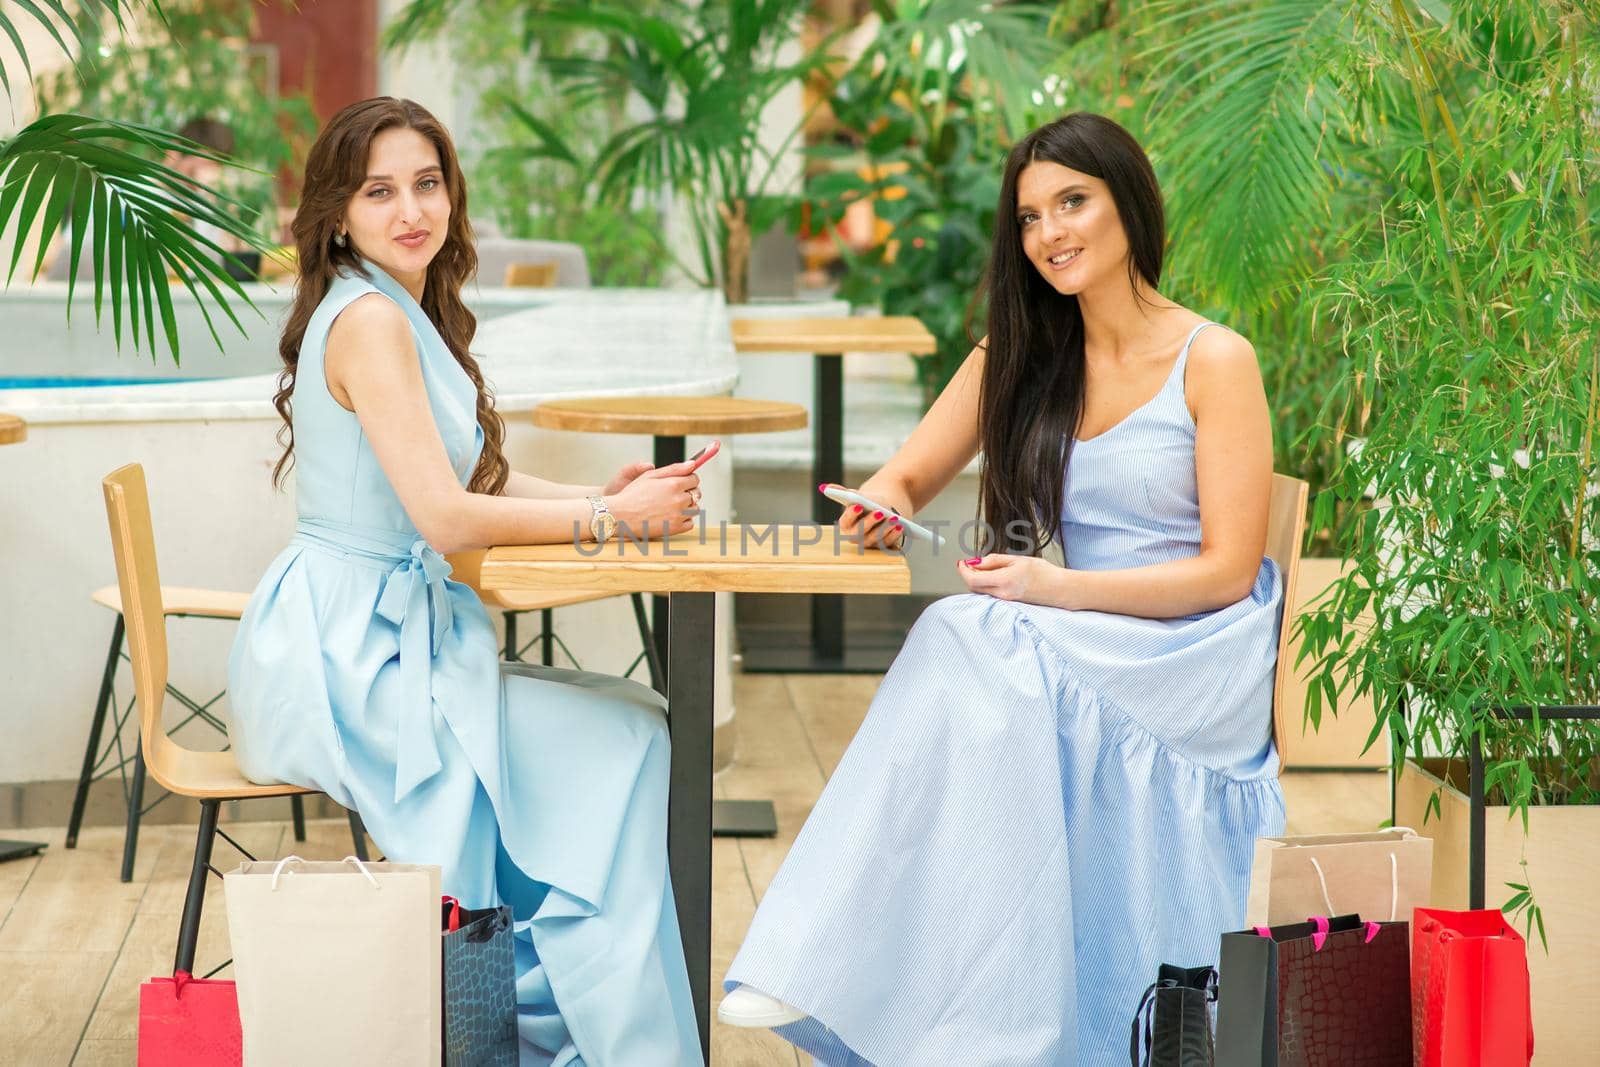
x=531, y=275
x=1286, y=530
x=176, y=601
x=209, y=777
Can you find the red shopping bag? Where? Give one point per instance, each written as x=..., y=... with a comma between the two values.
x=189, y=1022
x=1469, y=990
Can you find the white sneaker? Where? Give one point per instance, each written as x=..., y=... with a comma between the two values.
x=748, y=1007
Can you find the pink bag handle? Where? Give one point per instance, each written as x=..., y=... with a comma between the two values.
x=1372, y=932
x=1320, y=934
x=453, y=923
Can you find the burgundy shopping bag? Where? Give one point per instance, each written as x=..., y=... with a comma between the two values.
x=189, y=1022
x=1469, y=982
x=1323, y=993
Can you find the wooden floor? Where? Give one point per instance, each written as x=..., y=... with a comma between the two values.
x=75, y=942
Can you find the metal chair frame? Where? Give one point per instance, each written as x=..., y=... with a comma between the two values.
x=133, y=784
x=548, y=639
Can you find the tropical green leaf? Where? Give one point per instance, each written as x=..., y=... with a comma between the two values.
x=140, y=215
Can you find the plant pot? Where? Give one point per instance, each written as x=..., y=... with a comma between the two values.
x=1564, y=871
x=1338, y=741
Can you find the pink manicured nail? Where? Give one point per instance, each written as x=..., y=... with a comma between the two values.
x=877, y=514
x=974, y=561
x=822, y=486
x=895, y=520
x=856, y=507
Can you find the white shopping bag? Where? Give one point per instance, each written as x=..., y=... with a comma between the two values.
x=1380, y=876
x=336, y=962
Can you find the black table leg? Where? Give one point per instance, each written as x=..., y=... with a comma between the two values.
x=828, y=650
x=827, y=609
x=668, y=450
x=691, y=676
x=730, y=818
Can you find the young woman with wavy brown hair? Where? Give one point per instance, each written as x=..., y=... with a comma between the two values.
x=1059, y=783
x=360, y=670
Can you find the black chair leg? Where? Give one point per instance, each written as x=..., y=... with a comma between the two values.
x=297, y=811
x=547, y=639
x=81, y=797
x=358, y=834
x=511, y=636
x=194, y=900
x=130, y=839
x=658, y=680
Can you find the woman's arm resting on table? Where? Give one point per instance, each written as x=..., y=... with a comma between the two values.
x=1233, y=471
x=372, y=369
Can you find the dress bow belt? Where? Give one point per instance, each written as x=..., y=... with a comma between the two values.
x=415, y=598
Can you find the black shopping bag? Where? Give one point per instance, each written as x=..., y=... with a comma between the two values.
x=1175, y=1017
x=1322, y=993
x=480, y=987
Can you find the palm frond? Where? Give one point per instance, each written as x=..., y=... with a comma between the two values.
x=54, y=15
x=1252, y=130
x=140, y=218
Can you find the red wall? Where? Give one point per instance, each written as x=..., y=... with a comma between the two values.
x=328, y=47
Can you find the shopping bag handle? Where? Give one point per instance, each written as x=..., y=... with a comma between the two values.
x=278, y=870
x=1394, y=887
x=453, y=923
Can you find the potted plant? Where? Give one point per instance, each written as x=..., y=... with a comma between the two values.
x=1467, y=310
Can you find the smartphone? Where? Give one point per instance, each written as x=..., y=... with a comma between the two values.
x=699, y=459
x=840, y=495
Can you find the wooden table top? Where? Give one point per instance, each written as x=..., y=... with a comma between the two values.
x=892, y=333
x=738, y=557
x=665, y=416
x=12, y=429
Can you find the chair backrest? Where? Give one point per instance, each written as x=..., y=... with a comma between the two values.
x=496, y=253
x=133, y=544
x=530, y=275
x=1286, y=529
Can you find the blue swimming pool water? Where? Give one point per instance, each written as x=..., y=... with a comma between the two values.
x=62, y=382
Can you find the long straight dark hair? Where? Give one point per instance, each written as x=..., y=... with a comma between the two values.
x=1031, y=394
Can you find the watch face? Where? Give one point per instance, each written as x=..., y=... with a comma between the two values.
x=605, y=525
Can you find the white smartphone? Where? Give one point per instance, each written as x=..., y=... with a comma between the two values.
x=840, y=495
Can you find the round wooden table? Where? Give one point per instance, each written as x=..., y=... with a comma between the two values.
x=668, y=417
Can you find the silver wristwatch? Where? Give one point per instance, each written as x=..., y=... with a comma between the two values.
x=602, y=524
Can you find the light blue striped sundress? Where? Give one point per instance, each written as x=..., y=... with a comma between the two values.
x=1041, y=806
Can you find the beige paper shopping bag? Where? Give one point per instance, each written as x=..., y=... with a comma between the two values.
x=1380, y=876
x=336, y=962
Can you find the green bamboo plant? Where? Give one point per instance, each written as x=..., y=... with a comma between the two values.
x=137, y=220
x=1415, y=183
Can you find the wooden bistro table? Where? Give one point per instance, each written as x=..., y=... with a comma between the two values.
x=827, y=340
x=690, y=568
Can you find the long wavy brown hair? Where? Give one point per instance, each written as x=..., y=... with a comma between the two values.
x=335, y=171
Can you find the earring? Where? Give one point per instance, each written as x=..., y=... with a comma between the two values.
x=339, y=239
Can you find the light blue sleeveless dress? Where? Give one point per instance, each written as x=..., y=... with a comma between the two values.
x=1041, y=806
x=360, y=670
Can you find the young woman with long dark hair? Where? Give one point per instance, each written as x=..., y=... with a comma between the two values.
x=361, y=671
x=1060, y=781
